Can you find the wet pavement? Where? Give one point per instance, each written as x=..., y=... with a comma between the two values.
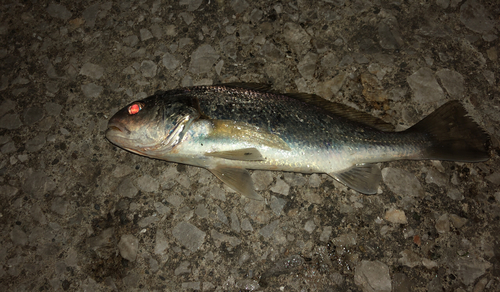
x=79, y=214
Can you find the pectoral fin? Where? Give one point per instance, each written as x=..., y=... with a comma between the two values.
x=364, y=178
x=238, y=179
x=246, y=154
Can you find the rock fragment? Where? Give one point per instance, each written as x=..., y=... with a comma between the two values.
x=202, y=59
x=425, y=87
x=396, y=216
x=59, y=11
x=189, y=235
x=93, y=71
x=128, y=247
x=91, y=90
x=373, y=276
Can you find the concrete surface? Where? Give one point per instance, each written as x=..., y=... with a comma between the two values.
x=78, y=214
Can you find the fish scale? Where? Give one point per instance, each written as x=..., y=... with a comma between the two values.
x=230, y=128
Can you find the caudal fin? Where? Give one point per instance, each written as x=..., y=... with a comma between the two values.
x=454, y=135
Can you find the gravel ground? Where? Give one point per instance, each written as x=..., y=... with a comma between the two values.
x=79, y=214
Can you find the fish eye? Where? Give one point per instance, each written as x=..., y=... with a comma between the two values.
x=135, y=108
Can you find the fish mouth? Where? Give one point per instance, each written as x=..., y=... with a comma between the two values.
x=118, y=127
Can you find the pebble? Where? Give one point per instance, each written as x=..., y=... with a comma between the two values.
x=395, y=216
x=189, y=235
x=91, y=90
x=103, y=239
x=58, y=11
x=121, y=170
x=429, y=264
x=262, y=179
x=161, y=208
x=436, y=177
x=183, y=268
x=10, y=122
x=307, y=66
x=476, y=17
x=452, y=81
x=239, y=5
x=90, y=15
x=220, y=237
x=443, y=224
x=6, y=106
x=246, y=34
x=8, y=148
x=494, y=178
x=32, y=115
x=18, y=236
x=326, y=233
x=36, y=143
x=144, y=222
x=131, y=280
x=310, y=226
x=170, y=61
x=373, y=276
x=192, y=5
x=59, y=205
x=387, y=37
x=426, y=89
x=148, y=184
x=201, y=211
x=221, y=216
x=401, y=283
x=277, y=205
x=269, y=229
x=92, y=70
x=203, y=59
x=127, y=188
x=148, y=68
x=455, y=194
x=402, y=183
x=281, y=187
x=38, y=184
x=246, y=225
x=128, y=247
x=145, y=34
x=175, y=200
x=409, y=258
x=470, y=268
x=191, y=286
x=235, y=221
x=344, y=240
x=297, y=38
x=161, y=242
x=8, y=191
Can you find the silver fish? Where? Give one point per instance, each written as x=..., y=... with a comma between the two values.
x=230, y=128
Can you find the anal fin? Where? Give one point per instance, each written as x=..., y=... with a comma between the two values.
x=238, y=179
x=364, y=178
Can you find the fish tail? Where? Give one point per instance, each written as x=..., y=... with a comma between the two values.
x=453, y=135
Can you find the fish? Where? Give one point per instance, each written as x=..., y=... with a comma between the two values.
x=232, y=128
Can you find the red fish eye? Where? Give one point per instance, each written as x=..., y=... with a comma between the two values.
x=135, y=108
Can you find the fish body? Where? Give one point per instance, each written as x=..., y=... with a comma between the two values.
x=228, y=129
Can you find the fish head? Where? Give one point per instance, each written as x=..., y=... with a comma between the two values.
x=152, y=126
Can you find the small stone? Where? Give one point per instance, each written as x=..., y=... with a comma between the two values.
x=262, y=179
x=32, y=115
x=443, y=3
x=345, y=240
x=59, y=11
x=239, y=5
x=246, y=34
x=53, y=109
x=327, y=232
x=131, y=40
x=219, y=237
x=161, y=208
x=246, y=225
x=104, y=238
x=402, y=182
x=127, y=188
x=175, y=200
x=18, y=236
x=8, y=148
x=221, y=216
x=201, y=211
x=148, y=68
x=452, y=81
x=443, y=224
x=310, y=226
x=277, y=205
x=144, y=222
x=189, y=235
x=396, y=216
x=470, y=268
x=235, y=222
x=192, y=5
x=170, y=61
x=131, y=280
x=494, y=178
x=91, y=90
x=373, y=276
x=36, y=143
x=401, y=283
x=429, y=264
x=218, y=193
x=128, y=247
x=148, y=184
x=203, y=59
x=297, y=38
x=387, y=37
x=409, y=258
x=281, y=187
x=145, y=34
x=191, y=286
x=10, y=122
x=187, y=17
x=122, y=170
x=436, y=177
x=425, y=87
x=38, y=184
x=161, y=243
x=183, y=268
x=476, y=17
x=457, y=221
x=268, y=230
x=92, y=70
x=90, y=15
x=307, y=66
x=59, y=205
x=6, y=106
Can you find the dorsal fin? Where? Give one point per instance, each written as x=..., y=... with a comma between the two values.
x=343, y=110
x=251, y=86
